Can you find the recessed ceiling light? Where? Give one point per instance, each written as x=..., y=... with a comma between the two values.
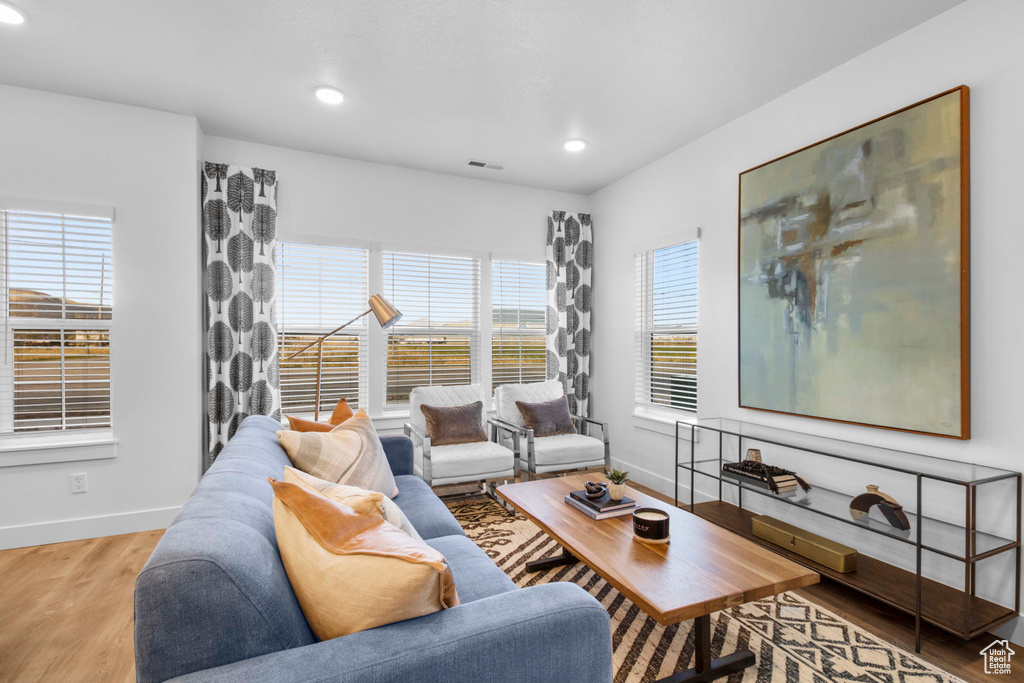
x=329, y=95
x=575, y=145
x=9, y=14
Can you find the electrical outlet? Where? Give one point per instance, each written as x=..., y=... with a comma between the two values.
x=79, y=483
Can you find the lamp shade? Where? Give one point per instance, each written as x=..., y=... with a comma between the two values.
x=387, y=315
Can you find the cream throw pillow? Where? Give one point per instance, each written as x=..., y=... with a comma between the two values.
x=351, y=454
x=351, y=572
x=362, y=501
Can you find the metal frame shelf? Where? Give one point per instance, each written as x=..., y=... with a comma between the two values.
x=881, y=580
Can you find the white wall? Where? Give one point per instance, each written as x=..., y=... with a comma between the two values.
x=325, y=197
x=142, y=163
x=976, y=44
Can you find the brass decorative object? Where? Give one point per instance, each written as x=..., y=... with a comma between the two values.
x=816, y=548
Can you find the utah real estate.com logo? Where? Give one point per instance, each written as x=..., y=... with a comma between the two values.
x=997, y=657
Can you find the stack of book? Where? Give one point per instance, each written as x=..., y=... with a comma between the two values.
x=600, y=508
x=761, y=476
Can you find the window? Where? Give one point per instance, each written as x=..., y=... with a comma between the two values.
x=58, y=288
x=666, y=344
x=519, y=302
x=437, y=339
x=320, y=288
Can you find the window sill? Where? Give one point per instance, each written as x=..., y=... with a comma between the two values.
x=664, y=422
x=15, y=452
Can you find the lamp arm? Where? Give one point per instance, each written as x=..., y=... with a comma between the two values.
x=329, y=334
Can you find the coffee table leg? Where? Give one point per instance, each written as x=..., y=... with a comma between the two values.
x=547, y=563
x=708, y=669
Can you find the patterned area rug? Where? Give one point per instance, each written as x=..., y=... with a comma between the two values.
x=795, y=641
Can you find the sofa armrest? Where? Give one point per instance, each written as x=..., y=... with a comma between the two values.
x=399, y=452
x=551, y=632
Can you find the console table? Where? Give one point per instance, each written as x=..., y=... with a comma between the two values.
x=715, y=441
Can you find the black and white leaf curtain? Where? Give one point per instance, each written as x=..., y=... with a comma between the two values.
x=239, y=256
x=570, y=254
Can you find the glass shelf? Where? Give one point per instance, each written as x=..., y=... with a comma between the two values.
x=956, y=610
x=941, y=469
x=937, y=536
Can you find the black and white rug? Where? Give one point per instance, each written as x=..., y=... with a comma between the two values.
x=795, y=641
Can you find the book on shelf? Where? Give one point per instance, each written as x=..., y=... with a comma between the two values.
x=786, y=483
x=604, y=503
x=594, y=514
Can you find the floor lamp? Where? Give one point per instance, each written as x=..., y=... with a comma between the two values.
x=386, y=314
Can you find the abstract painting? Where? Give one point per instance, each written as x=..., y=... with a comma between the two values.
x=853, y=274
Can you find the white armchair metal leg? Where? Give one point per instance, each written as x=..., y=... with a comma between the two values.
x=420, y=438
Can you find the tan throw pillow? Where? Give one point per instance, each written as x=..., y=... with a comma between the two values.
x=549, y=418
x=448, y=425
x=362, y=501
x=351, y=572
x=351, y=453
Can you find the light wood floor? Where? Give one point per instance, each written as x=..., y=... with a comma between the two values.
x=66, y=613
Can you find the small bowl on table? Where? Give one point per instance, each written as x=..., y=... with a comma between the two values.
x=650, y=525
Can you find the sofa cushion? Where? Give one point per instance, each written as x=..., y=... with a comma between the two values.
x=350, y=454
x=533, y=392
x=568, y=449
x=425, y=510
x=454, y=395
x=476, y=575
x=468, y=460
x=362, y=501
x=353, y=572
x=450, y=425
x=549, y=418
x=341, y=413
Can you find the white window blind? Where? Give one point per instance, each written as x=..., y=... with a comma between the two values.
x=437, y=339
x=320, y=288
x=57, y=283
x=666, y=327
x=519, y=302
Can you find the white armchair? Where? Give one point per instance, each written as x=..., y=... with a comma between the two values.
x=458, y=463
x=542, y=455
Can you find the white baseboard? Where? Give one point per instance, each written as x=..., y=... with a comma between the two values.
x=86, y=527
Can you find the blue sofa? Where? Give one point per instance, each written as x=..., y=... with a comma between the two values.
x=213, y=603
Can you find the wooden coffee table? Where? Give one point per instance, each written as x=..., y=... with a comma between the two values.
x=703, y=569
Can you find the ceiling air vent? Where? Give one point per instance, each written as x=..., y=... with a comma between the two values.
x=484, y=164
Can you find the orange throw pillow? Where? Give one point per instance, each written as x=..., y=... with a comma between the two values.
x=341, y=413
x=353, y=572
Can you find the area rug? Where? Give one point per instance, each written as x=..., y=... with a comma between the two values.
x=795, y=641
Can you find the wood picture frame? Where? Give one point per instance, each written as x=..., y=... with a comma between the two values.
x=850, y=253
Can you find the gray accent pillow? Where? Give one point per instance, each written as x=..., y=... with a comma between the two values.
x=549, y=418
x=450, y=425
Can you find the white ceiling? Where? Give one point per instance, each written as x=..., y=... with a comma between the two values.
x=430, y=84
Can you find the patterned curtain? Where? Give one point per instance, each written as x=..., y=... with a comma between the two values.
x=569, y=261
x=239, y=257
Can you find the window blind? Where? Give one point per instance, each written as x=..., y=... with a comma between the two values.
x=519, y=302
x=437, y=339
x=58, y=308
x=320, y=288
x=666, y=327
